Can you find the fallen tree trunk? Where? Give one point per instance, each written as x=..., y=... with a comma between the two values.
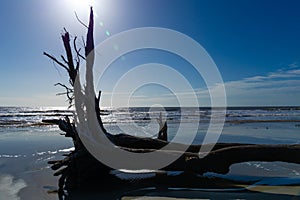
x=220, y=160
x=83, y=166
x=222, y=156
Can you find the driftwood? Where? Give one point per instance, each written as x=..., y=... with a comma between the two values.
x=80, y=168
x=83, y=168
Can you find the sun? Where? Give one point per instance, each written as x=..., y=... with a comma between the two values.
x=80, y=5
x=104, y=11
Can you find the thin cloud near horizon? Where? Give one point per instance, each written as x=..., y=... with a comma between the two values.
x=273, y=89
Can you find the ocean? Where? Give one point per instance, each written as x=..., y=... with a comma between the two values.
x=26, y=143
x=32, y=116
x=242, y=124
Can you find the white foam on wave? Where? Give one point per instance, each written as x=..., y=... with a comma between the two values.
x=11, y=156
x=9, y=187
x=54, y=151
x=67, y=150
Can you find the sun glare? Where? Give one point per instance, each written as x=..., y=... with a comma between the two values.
x=104, y=13
x=80, y=5
x=101, y=7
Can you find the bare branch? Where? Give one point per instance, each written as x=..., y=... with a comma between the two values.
x=68, y=50
x=63, y=85
x=55, y=60
x=77, y=65
x=69, y=93
x=82, y=38
x=99, y=96
x=63, y=58
x=62, y=93
x=78, y=50
x=90, y=39
x=77, y=54
x=66, y=41
x=80, y=21
x=98, y=111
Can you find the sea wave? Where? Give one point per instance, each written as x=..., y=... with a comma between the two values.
x=25, y=117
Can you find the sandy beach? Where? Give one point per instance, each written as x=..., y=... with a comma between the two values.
x=25, y=174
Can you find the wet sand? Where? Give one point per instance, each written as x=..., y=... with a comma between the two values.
x=25, y=174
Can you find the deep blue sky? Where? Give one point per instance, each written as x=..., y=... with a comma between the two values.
x=255, y=43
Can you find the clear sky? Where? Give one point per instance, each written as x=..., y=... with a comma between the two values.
x=254, y=43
